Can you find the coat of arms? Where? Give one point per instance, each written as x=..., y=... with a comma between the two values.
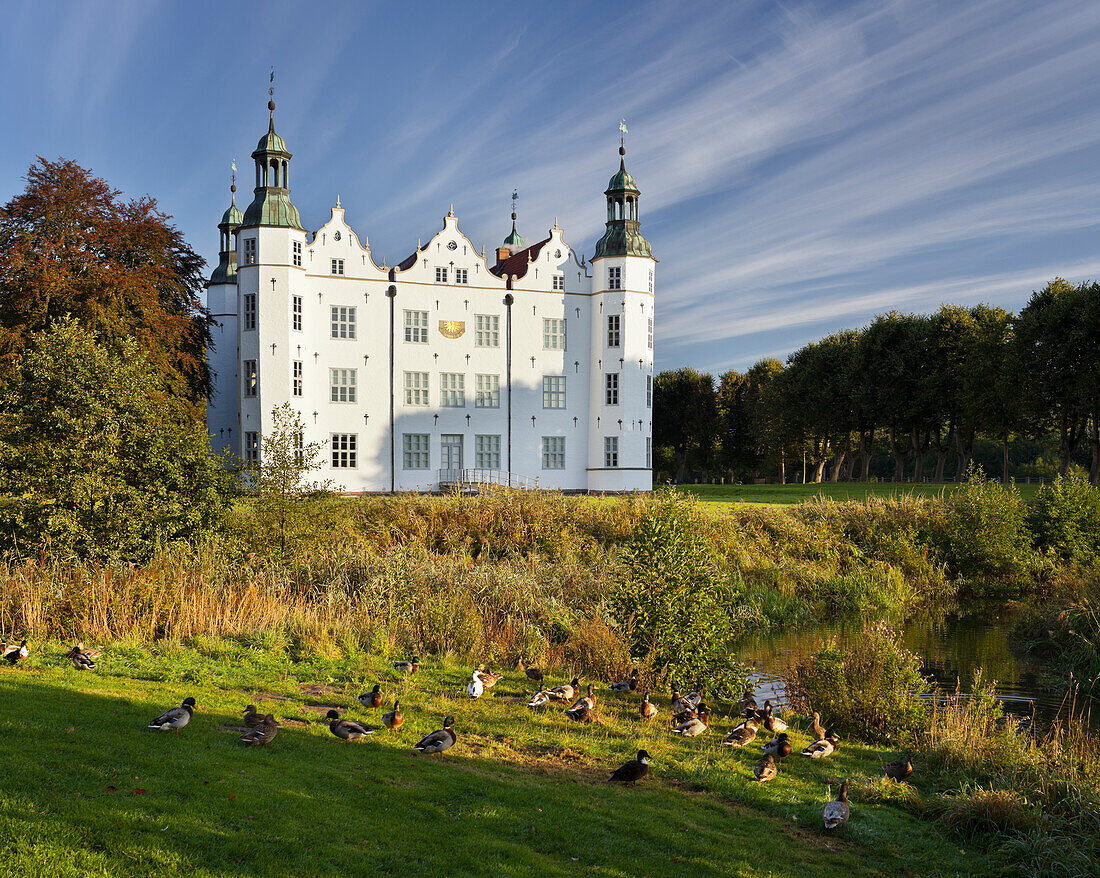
x=452, y=328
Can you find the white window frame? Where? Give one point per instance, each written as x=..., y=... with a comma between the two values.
x=611, y=452
x=649, y=339
x=249, y=251
x=486, y=330
x=611, y=388
x=296, y=313
x=345, y=450
x=342, y=384
x=296, y=377
x=251, y=447
x=487, y=391
x=338, y=270
x=553, y=391
x=649, y=452
x=462, y=276
x=649, y=391
x=416, y=386
x=614, y=330
x=553, y=452
x=554, y=334
x=452, y=390
x=614, y=278
x=250, y=372
x=440, y=274
x=651, y=280
x=416, y=327
x=559, y=281
x=249, y=311
x=487, y=451
x=416, y=450
x=296, y=252
x=342, y=322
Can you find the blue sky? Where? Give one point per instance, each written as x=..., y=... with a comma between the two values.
x=803, y=165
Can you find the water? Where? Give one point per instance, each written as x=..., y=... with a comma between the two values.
x=951, y=646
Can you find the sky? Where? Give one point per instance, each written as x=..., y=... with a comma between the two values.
x=804, y=166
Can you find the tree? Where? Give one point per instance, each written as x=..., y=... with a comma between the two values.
x=685, y=416
x=95, y=460
x=989, y=388
x=281, y=482
x=69, y=246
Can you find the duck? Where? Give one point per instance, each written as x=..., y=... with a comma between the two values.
x=392, y=719
x=773, y=723
x=583, y=707
x=691, y=701
x=372, y=698
x=539, y=699
x=647, y=709
x=408, y=667
x=174, y=719
x=263, y=734
x=14, y=653
x=693, y=726
x=93, y=654
x=689, y=712
x=252, y=719
x=475, y=688
x=489, y=678
x=628, y=685
x=816, y=730
x=779, y=746
x=824, y=747
x=766, y=769
x=748, y=703
x=836, y=813
x=566, y=691
x=347, y=729
x=899, y=769
x=743, y=734
x=532, y=673
x=440, y=740
x=81, y=661
x=632, y=771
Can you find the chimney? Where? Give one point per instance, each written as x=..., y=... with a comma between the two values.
x=502, y=254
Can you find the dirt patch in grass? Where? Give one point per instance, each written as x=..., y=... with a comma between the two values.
x=322, y=709
x=269, y=696
x=318, y=689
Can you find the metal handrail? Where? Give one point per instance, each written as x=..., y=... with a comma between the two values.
x=503, y=478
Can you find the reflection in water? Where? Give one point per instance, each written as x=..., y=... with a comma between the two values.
x=951, y=646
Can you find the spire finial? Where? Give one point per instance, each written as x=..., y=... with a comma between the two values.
x=233, y=181
x=337, y=200
x=271, y=97
x=451, y=212
x=622, y=143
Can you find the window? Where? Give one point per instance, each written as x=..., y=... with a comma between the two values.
x=343, y=321
x=486, y=331
x=462, y=276
x=559, y=281
x=553, y=333
x=296, y=313
x=249, y=310
x=553, y=452
x=649, y=452
x=416, y=327
x=649, y=391
x=553, y=391
x=614, y=278
x=650, y=334
x=611, y=388
x=488, y=392
x=614, y=333
x=337, y=266
x=441, y=275
x=341, y=385
x=249, y=251
x=611, y=452
x=299, y=448
x=251, y=378
x=297, y=253
x=416, y=388
x=344, y=450
x=415, y=450
x=251, y=447
x=452, y=390
x=297, y=377
x=487, y=452
x=651, y=280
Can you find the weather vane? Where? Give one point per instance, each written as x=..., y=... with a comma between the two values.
x=233, y=176
x=271, y=87
x=515, y=198
x=622, y=131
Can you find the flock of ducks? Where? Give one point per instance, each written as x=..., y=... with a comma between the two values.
x=691, y=718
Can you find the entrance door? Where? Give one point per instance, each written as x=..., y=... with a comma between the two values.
x=451, y=452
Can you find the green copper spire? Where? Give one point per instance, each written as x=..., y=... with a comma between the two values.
x=623, y=236
x=226, y=271
x=271, y=205
x=515, y=241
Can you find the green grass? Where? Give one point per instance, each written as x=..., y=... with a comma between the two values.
x=85, y=789
x=788, y=495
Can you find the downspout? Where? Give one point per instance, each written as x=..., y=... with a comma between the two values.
x=508, y=300
x=391, y=294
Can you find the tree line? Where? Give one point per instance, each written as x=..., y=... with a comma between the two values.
x=914, y=392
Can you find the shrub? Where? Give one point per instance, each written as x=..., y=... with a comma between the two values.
x=986, y=531
x=869, y=687
x=1065, y=517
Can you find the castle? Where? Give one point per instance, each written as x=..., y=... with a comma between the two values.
x=535, y=370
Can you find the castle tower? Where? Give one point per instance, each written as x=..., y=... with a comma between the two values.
x=621, y=413
x=221, y=299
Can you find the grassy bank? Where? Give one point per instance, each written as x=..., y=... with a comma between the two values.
x=88, y=791
x=789, y=495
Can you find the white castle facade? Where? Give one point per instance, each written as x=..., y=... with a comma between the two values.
x=534, y=370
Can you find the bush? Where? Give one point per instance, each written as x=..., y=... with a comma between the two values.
x=986, y=532
x=1065, y=517
x=869, y=687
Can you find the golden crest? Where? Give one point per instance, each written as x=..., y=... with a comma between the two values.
x=452, y=328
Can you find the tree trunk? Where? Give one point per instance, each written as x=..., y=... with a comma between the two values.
x=899, y=455
x=1070, y=438
x=866, y=453
x=681, y=465
x=964, y=447
x=838, y=460
x=942, y=450
x=1094, y=441
x=1004, y=456
x=819, y=471
x=920, y=446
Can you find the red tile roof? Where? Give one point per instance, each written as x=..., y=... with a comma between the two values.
x=516, y=264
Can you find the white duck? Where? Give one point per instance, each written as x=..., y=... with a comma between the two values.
x=475, y=688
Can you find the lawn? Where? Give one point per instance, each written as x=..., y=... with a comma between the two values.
x=790, y=494
x=85, y=789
